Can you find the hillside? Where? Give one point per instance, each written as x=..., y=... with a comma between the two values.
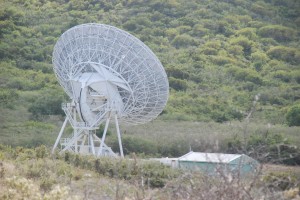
x=219, y=56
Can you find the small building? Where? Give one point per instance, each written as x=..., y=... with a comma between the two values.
x=213, y=163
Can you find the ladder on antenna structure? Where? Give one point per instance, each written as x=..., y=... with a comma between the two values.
x=84, y=139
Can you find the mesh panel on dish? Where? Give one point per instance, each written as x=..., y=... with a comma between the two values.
x=138, y=75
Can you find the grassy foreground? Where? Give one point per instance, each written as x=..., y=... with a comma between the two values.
x=35, y=174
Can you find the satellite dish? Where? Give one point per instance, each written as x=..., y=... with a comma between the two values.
x=108, y=74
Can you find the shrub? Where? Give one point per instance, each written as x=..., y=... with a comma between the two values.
x=266, y=147
x=172, y=33
x=7, y=97
x=199, y=31
x=247, y=32
x=236, y=50
x=48, y=103
x=183, y=40
x=221, y=60
x=177, y=73
x=281, y=180
x=244, y=42
x=174, y=148
x=21, y=188
x=153, y=173
x=219, y=117
x=293, y=116
x=260, y=57
x=262, y=9
x=183, y=29
x=297, y=76
x=178, y=84
x=209, y=51
x=215, y=44
x=283, y=75
x=222, y=27
x=245, y=75
x=41, y=151
x=137, y=145
x=278, y=32
x=286, y=54
x=47, y=182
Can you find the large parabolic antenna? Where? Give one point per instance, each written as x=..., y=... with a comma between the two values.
x=108, y=74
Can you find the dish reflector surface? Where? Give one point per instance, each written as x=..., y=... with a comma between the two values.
x=102, y=67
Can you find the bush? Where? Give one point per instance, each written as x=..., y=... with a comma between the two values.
x=209, y=51
x=287, y=54
x=236, y=50
x=278, y=32
x=177, y=73
x=199, y=31
x=260, y=57
x=135, y=145
x=297, y=76
x=41, y=151
x=219, y=117
x=183, y=40
x=245, y=75
x=178, y=84
x=153, y=173
x=221, y=60
x=283, y=75
x=293, y=116
x=244, y=42
x=281, y=180
x=48, y=103
x=247, y=32
x=7, y=97
x=266, y=147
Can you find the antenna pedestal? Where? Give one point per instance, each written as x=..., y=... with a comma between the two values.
x=84, y=139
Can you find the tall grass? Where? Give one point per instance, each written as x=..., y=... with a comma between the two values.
x=35, y=174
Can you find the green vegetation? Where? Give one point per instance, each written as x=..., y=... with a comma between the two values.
x=215, y=52
x=219, y=56
x=293, y=116
x=35, y=174
x=234, y=73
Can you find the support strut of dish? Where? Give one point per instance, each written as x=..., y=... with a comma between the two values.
x=84, y=139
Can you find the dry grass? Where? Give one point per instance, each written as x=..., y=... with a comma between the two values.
x=269, y=168
x=29, y=173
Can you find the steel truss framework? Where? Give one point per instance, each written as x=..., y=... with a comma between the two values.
x=107, y=73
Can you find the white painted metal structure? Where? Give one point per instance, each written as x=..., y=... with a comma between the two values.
x=108, y=74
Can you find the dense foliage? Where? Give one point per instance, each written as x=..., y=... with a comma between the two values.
x=293, y=116
x=218, y=54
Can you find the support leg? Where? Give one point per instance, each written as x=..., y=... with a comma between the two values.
x=59, y=135
x=72, y=141
x=75, y=130
x=119, y=136
x=92, y=143
x=104, y=135
x=82, y=143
